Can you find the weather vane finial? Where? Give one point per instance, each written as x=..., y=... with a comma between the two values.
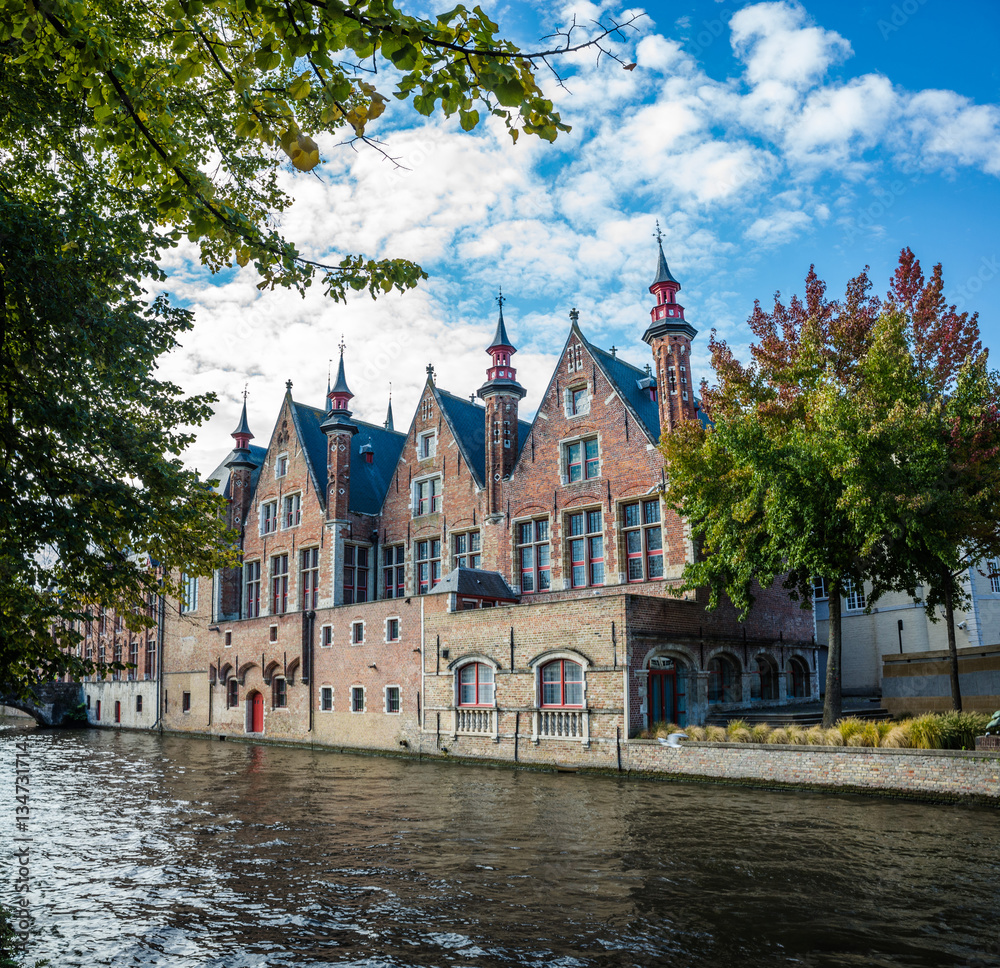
x=342, y=345
x=500, y=299
x=658, y=235
x=245, y=391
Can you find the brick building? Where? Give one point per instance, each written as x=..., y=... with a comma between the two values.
x=477, y=583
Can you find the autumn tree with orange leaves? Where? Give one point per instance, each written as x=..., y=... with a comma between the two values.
x=855, y=445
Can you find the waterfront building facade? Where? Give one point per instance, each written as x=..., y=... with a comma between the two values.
x=475, y=582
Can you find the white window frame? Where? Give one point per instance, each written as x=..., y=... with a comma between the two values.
x=993, y=574
x=852, y=596
x=323, y=629
x=568, y=394
x=354, y=626
x=427, y=445
x=820, y=593
x=399, y=631
x=364, y=700
x=399, y=700
x=189, y=597
x=582, y=440
x=435, y=499
x=291, y=501
x=455, y=535
x=281, y=466
x=264, y=518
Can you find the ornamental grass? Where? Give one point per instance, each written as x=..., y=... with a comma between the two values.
x=779, y=736
x=759, y=733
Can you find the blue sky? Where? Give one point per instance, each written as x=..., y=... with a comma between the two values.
x=763, y=136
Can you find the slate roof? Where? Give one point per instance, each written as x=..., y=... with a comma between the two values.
x=475, y=583
x=500, y=338
x=369, y=482
x=663, y=272
x=467, y=421
x=624, y=378
x=221, y=473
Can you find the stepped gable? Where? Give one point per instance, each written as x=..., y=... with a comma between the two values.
x=369, y=482
x=468, y=426
x=222, y=472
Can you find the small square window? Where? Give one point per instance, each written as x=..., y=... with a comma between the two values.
x=326, y=699
x=357, y=633
x=392, y=630
x=357, y=699
x=392, y=699
x=326, y=636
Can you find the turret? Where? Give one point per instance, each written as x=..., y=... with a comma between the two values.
x=501, y=393
x=669, y=336
x=241, y=468
x=339, y=429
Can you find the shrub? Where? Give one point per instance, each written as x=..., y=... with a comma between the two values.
x=733, y=725
x=884, y=727
x=868, y=735
x=959, y=730
x=796, y=734
x=924, y=732
x=834, y=737
x=779, y=736
x=696, y=733
x=816, y=736
x=759, y=733
x=715, y=734
x=898, y=738
x=739, y=735
x=849, y=726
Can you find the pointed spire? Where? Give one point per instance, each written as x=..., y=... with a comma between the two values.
x=340, y=388
x=243, y=430
x=242, y=435
x=663, y=273
x=500, y=338
x=388, y=414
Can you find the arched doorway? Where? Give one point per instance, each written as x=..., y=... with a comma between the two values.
x=724, y=679
x=255, y=713
x=798, y=673
x=764, y=684
x=667, y=691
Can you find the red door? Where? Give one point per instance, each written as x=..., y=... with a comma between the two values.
x=256, y=713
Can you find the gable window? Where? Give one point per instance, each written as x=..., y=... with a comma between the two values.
x=281, y=465
x=426, y=445
x=355, y=574
x=279, y=584
x=586, y=548
x=326, y=636
x=189, y=593
x=279, y=693
x=562, y=683
x=393, y=572
x=475, y=685
x=233, y=692
x=291, y=510
x=269, y=517
x=428, y=564
x=577, y=400
x=533, y=555
x=427, y=496
x=357, y=699
x=582, y=459
x=310, y=578
x=855, y=596
x=392, y=630
x=392, y=699
x=643, y=540
x=467, y=551
x=326, y=698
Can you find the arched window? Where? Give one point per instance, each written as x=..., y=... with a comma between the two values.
x=764, y=684
x=723, y=680
x=475, y=684
x=562, y=683
x=798, y=674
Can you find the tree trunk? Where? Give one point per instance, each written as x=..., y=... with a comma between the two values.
x=833, y=702
x=949, y=619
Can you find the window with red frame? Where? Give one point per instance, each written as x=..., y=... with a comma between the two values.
x=279, y=584
x=292, y=511
x=310, y=578
x=533, y=555
x=251, y=577
x=582, y=460
x=643, y=540
x=355, y=574
x=428, y=564
x=562, y=683
x=475, y=685
x=394, y=572
x=586, y=548
x=427, y=496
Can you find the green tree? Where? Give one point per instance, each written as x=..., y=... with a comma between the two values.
x=125, y=128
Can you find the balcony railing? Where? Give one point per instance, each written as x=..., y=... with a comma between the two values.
x=562, y=724
x=475, y=722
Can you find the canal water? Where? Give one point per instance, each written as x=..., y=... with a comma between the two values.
x=188, y=852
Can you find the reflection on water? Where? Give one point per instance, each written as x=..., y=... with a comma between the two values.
x=186, y=852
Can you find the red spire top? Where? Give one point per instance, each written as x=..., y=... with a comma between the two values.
x=502, y=349
x=667, y=314
x=340, y=396
x=242, y=434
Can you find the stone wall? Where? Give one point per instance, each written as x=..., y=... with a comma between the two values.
x=921, y=774
x=920, y=682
